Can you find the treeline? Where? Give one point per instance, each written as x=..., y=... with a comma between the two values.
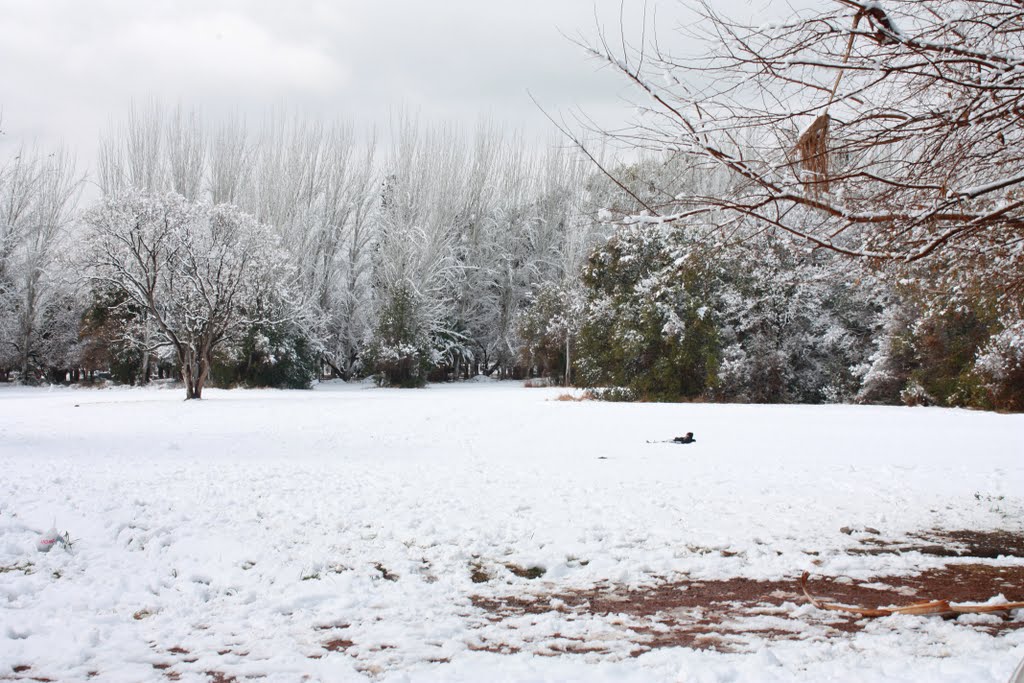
x=407, y=258
x=892, y=140
x=666, y=317
x=712, y=309
x=274, y=255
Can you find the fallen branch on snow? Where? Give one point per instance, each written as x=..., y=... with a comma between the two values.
x=942, y=608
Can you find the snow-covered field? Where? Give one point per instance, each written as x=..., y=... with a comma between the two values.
x=241, y=534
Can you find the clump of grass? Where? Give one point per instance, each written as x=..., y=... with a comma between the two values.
x=388, y=576
x=617, y=395
x=587, y=395
x=477, y=573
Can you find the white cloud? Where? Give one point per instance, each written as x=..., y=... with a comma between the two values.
x=69, y=67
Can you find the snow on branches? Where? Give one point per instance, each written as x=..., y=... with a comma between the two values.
x=198, y=275
x=921, y=160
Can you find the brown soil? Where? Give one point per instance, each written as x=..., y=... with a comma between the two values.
x=23, y=673
x=338, y=645
x=980, y=544
x=717, y=614
x=727, y=615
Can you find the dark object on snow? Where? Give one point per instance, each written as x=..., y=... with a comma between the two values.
x=684, y=439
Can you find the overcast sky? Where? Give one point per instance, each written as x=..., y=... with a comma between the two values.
x=69, y=67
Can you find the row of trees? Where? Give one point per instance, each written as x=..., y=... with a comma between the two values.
x=460, y=260
x=38, y=314
x=886, y=133
x=267, y=255
x=827, y=208
x=667, y=317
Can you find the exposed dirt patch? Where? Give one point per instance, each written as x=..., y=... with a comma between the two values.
x=338, y=645
x=494, y=647
x=725, y=614
x=525, y=572
x=331, y=627
x=220, y=677
x=477, y=574
x=938, y=543
x=23, y=673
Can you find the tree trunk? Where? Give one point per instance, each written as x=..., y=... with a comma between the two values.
x=26, y=333
x=335, y=370
x=568, y=362
x=195, y=368
x=205, y=362
x=190, y=373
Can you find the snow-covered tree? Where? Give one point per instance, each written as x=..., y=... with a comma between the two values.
x=651, y=322
x=132, y=155
x=883, y=130
x=204, y=275
x=795, y=327
x=451, y=234
x=1001, y=366
x=327, y=183
x=38, y=197
x=414, y=265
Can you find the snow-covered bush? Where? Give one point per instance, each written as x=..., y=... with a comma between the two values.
x=548, y=328
x=650, y=325
x=670, y=316
x=400, y=353
x=794, y=326
x=916, y=395
x=277, y=355
x=1000, y=364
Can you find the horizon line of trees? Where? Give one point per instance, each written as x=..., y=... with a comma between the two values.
x=405, y=260
x=294, y=251
x=885, y=133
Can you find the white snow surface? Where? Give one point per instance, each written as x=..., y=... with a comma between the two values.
x=239, y=533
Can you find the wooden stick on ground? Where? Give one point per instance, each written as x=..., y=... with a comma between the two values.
x=933, y=607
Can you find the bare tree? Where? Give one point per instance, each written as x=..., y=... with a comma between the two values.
x=131, y=155
x=415, y=266
x=230, y=157
x=185, y=146
x=886, y=130
x=341, y=251
x=38, y=197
